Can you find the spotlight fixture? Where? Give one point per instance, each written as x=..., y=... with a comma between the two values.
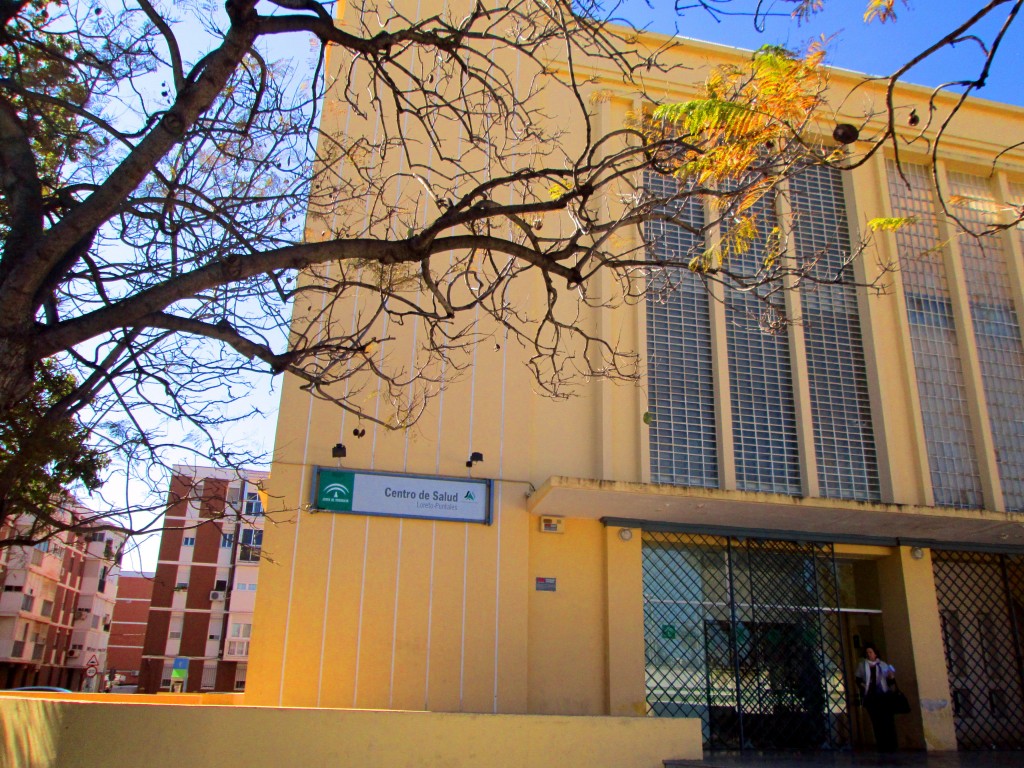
x=339, y=451
x=917, y=553
x=474, y=457
x=845, y=133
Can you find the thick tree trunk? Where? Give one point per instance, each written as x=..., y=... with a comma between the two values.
x=16, y=374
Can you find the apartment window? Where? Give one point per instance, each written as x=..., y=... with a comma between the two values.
x=238, y=648
x=188, y=541
x=209, y=679
x=844, y=440
x=681, y=413
x=220, y=585
x=252, y=543
x=940, y=380
x=101, y=586
x=238, y=645
x=47, y=608
x=165, y=678
x=27, y=603
x=253, y=505
x=181, y=586
x=227, y=539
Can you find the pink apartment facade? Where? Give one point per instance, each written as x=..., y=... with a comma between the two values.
x=56, y=605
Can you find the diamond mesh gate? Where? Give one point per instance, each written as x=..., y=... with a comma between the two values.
x=981, y=605
x=745, y=634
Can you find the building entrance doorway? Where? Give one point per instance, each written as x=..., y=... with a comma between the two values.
x=859, y=628
x=746, y=634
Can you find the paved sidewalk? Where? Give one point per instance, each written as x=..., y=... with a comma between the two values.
x=850, y=760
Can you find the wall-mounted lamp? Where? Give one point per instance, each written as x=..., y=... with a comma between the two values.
x=916, y=552
x=625, y=534
x=339, y=451
x=474, y=457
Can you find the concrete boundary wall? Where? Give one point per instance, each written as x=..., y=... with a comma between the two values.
x=47, y=733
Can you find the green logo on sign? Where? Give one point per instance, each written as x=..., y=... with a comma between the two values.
x=334, y=490
x=469, y=496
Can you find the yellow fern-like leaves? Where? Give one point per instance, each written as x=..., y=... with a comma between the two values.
x=743, y=113
x=891, y=223
x=883, y=10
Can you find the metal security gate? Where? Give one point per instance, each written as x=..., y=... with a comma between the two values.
x=981, y=605
x=745, y=635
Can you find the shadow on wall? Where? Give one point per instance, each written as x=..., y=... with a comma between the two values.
x=28, y=734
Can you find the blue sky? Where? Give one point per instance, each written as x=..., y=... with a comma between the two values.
x=872, y=48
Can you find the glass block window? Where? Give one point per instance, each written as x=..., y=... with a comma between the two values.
x=761, y=383
x=680, y=387
x=844, y=439
x=940, y=381
x=996, y=331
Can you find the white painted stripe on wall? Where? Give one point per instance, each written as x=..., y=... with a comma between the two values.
x=462, y=657
x=327, y=607
x=430, y=615
x=499, y=486
x=394, y=623
x=359, y=627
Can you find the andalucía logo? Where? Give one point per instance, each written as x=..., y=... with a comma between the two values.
x=469, y=496
x=336, y=492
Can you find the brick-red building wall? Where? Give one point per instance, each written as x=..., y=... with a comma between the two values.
x=128, y=625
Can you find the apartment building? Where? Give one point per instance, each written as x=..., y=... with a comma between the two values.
x=720, y=542
x=128, y=627
x=200, y=613
x=56, y=608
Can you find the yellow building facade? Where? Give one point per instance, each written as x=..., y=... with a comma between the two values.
x=720, y=541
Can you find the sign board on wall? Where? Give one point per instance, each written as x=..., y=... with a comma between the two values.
x=392, y=495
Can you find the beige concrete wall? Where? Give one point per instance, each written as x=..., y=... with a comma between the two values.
x=414, y=614
x=36, y=733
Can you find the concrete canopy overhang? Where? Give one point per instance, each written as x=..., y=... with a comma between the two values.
x=776, y=515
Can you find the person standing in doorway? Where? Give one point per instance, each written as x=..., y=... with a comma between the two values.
x=876, y=679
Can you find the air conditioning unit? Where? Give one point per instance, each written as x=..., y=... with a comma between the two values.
x=217, y=595
x=73, y=653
